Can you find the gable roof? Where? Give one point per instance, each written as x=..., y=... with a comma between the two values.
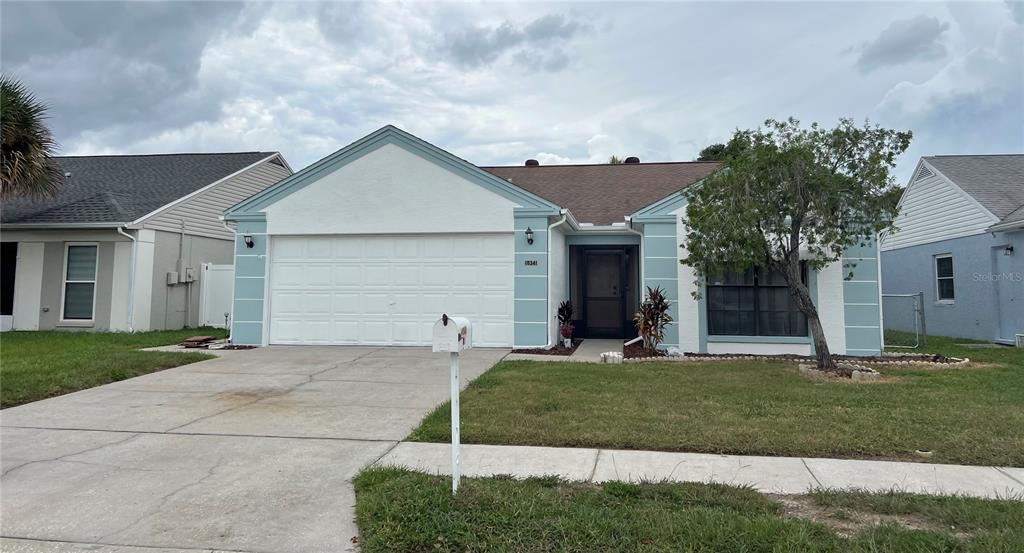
x=119, y=189
x=603, y=194
x=994, y=181
x=250, y=208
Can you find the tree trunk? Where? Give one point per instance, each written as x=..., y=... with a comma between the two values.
x=802, y=296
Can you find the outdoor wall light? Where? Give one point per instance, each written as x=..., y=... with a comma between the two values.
x=1008, y=250
x=248, y=241
x=529, y=235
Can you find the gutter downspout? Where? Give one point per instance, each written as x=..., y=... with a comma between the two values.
x=551, y=227
x=131, y=280
x=234, y=251
x=629, y=228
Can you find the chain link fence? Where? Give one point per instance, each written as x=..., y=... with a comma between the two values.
x=903, y=319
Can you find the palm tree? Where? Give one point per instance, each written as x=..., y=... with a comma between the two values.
x=615, y=160
x=27, y=144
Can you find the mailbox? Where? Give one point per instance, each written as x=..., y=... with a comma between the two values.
x=452, y=334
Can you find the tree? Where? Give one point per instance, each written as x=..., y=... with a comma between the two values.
x=26, y=144
x=714, y=152
x=615, y=160
x=819, y=189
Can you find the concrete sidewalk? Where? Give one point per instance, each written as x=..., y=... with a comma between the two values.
x=784, y=475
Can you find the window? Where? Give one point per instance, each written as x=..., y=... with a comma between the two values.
x=79, y=282
x=944, y=277
x=755, y=302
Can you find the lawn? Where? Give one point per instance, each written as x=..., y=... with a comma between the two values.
x=403, y=511
x=38, y=365
x=965, y=415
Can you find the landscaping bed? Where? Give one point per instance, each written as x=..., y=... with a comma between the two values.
x=558, y=349
x=38, y=365
x=638, y=351
x=887, y=358
x=398, y=510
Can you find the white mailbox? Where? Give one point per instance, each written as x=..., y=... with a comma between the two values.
x=452, y=334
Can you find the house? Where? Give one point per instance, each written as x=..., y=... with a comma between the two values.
x=960, y=241
x=371, y=244
x=120, y=247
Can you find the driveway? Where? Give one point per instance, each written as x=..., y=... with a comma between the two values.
x=253, y=451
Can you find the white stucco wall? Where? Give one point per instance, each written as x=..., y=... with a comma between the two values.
x=390, y=190
x=559, y=291
x=120, y=285
x=689, y=308
x=830, y=307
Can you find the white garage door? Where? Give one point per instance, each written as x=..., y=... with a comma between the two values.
x=389, y=290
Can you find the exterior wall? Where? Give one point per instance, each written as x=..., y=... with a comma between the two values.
x=660, y=258
x=533, y=321
x=862, y=300
x=201, y=213
x=177, y=306
x=390, y=190
x=977, y=261
x=250, y=284
x=932, y=209
x=558, y=291
x=39, y=277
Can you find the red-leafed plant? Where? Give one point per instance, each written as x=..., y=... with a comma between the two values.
x=652, y=318
x=565, y=312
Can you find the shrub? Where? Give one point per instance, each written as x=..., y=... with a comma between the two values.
x=652, y=318
x=565, y=312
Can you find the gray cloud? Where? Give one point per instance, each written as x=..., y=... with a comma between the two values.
x=532, y=43
x=904, y=41
x=1016, y=8
x=137, y=64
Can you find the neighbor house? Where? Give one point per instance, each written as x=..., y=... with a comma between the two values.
x=123, y=243
x=371, y=244
x=959, y=240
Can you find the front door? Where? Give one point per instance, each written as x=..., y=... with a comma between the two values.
x=604, y=293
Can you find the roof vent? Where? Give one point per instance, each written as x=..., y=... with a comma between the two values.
x=631, y=160
x=532, y=163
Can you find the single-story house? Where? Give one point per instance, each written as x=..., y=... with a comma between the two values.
x=122, y=244
x=959, y=239
x=371, y=244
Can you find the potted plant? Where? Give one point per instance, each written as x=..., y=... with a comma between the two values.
x=565, y=326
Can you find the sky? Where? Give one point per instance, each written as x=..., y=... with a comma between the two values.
x=499, y=83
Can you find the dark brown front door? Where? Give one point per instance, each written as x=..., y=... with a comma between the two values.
x=604, y=292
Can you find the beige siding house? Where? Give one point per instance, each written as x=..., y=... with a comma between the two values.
x=123, y=244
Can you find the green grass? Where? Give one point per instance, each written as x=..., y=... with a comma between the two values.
x=38, y=365
x=403, y=511
x=965, y=415
x=954, y=347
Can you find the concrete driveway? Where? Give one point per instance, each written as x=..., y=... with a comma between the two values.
x=253, y=451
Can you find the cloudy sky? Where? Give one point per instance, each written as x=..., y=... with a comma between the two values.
x=499, y=83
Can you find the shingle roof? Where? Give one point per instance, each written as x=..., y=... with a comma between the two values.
x=995, y=181
x=120, y=189
x=604, y=194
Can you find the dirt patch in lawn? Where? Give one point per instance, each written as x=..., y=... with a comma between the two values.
x=555, y=350
x=848, y=522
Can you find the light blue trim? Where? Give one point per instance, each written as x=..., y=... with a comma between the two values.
x=760, y=339
x=602, y=240
x=531, y=282
x=660, y=209
x=662, y=271
x=861, y=312
x=531, y=311
x=246, y=333
x=371, y=142
x=530, y=335
x=661, y=246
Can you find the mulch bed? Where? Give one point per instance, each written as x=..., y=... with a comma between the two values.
x=636, y=351
x=556, y=350
x=928, y=358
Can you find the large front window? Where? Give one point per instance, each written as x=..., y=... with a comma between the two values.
x=755, y=302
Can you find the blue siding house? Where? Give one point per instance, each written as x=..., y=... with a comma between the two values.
x=959, y=239
x=370, y=245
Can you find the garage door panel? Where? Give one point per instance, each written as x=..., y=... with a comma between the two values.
x=381, y=290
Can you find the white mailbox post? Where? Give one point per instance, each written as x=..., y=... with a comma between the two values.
x=453, y=334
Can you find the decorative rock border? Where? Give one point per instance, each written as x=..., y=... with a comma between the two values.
x=953, y=361
x=858, y=373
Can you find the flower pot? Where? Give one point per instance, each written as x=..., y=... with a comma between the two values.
x=567, y=342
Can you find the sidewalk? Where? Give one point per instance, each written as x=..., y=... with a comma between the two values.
x=783, y=475
x=588, y=352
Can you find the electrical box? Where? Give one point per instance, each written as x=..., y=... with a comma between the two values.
x=172, y=278
x=452, y=334
x=190, y=274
